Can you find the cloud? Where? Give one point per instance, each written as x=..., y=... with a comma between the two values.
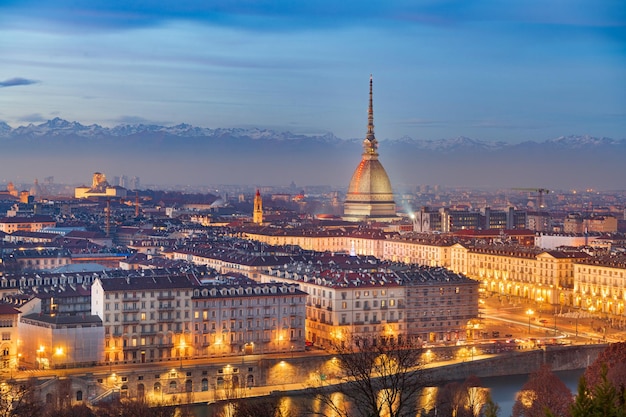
x=13, y=82
x=33, y=118
x=280, y=15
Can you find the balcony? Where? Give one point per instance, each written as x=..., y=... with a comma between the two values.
x=165, y=297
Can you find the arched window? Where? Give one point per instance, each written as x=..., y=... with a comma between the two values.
x=172, y=385
x=188, y=385
x=157, y=387
x=205, y=384
x=141, y=391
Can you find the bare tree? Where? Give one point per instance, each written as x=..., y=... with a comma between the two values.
x=462, y=399
x=378, y=378
x=543, y=392
x=258, y=407
x=19, y=399
x=133, y=408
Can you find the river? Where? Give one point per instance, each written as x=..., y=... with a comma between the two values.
x=503, y=391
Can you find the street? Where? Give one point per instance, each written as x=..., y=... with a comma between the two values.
x=513, y=318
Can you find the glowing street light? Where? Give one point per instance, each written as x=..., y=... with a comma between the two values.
x=530, y=312
x=40, y=362
x=181, y=351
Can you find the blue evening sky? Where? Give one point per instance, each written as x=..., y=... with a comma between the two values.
x=508, y=70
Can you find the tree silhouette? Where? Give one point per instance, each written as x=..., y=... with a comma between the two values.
x=18, y=399
x=491, y=409
x=378, y=378
x=614, y=358
x=465, y=399
x=601, y=400
x=543, y=392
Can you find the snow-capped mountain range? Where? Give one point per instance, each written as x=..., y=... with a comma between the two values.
x=62, y=128
x=185, y=154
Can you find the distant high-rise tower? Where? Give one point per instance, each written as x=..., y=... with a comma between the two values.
x=370, y=195
x=257, y=215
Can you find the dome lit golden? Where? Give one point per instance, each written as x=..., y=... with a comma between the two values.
x=370, y=194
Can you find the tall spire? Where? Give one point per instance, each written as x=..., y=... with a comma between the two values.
x=370, y=144
x=370, y=111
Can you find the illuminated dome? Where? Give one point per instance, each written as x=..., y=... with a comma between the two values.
x=370, y=195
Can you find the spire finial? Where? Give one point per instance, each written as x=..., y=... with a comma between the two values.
x=370, y=111
x=370, y=143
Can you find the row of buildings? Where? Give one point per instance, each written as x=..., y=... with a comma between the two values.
x=153, y=315
x=558, y=277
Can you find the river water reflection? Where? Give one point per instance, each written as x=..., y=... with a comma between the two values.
x=503, y=391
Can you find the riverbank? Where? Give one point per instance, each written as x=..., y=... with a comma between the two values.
x=523, y=362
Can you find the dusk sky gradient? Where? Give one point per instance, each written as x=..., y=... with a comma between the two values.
x=492, y=70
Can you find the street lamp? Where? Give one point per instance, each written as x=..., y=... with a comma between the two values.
x=40, y=361
x=181, y=352
x=530, y=312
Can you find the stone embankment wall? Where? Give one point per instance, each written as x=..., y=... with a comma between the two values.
x=514, y=362
x=560, y=358
x=295, y=374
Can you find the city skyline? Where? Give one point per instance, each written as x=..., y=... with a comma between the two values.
x=487, y=70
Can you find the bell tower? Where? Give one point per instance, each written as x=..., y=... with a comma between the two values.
x=257, y=214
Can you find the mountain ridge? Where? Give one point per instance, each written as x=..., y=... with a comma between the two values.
x=186, y=154
x=58, y=127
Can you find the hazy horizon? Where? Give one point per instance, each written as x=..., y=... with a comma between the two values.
x=495, y=71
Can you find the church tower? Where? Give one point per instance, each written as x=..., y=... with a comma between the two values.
x=370, y=196
x=257, y=215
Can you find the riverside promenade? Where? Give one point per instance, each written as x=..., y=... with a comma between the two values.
x=515, y=362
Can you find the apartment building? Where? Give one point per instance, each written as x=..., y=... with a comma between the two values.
x=229, y=261
x=350, y=296
x=518, y=271
x=146, y=317
x=9, y=336
x=248, y=318
x=26, y=224
x=600, y=285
